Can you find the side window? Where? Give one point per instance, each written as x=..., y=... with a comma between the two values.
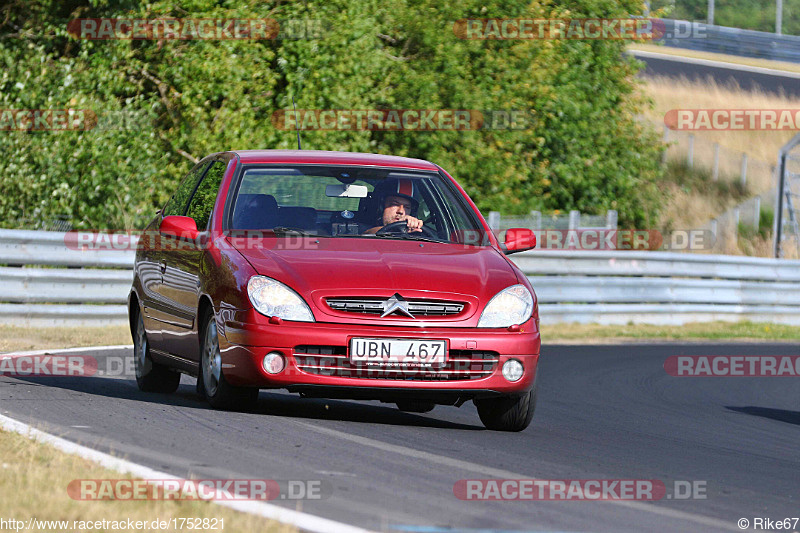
x=177, y=204
x=203, y=200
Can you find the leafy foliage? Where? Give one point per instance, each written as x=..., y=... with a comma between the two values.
x=182, y=100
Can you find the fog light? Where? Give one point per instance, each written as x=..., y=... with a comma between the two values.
x=512, y=370
x=274, y=363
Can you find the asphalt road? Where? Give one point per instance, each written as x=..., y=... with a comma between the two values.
x=605, y=412
x=747, y=79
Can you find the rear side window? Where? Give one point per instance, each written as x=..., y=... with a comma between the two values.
x=177, y=204
x=203, y=200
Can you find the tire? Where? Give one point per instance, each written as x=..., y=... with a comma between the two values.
x=415, y=406
x=507, y=413
x=211, y=382
x=150, y=376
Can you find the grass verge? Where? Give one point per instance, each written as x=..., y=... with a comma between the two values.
x=733, y=331
x=18, y=338
x=34, y=479
x=42, y=338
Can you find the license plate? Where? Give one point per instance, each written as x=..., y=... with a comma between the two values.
x=398, y=352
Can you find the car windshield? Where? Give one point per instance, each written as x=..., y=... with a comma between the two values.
x=349, y=202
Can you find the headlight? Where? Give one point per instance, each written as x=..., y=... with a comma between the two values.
x=273, y=298
x=512, y=305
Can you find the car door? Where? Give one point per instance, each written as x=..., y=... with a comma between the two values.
x=157, y=310
x=181, y=284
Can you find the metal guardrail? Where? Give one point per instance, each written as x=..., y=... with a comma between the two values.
x=607, y=287
x=612, y=287
x=734, y=41
x=27, y=247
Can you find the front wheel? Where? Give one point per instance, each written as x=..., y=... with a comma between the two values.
x=150, y=376
x=507, y=413
x=211, y=381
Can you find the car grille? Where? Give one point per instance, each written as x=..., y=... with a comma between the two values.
x=462, y=365
x=374, y=306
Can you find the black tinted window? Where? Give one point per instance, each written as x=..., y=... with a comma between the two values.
x=177, y=204
x=341, y=201
x=203, y=200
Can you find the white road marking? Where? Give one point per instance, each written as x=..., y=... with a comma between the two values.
x=334, y=473
x=56, y=351
x=506, y=474
x=304, y=521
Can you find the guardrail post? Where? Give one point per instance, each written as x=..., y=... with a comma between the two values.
x=494, y=220
x=574, y=219
x=690, y=155
x=611, y=219
x=536, y=220
x=716, y=162
x=743, y=179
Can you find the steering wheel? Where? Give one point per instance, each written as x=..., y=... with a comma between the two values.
x=401, y=226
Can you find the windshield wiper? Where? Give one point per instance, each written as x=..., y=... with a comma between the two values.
x=407, y=236
x=298, y=231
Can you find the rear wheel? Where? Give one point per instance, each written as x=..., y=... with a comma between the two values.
x=415, y=406
x=150, y=376
x=211, y=381
x=507, y=413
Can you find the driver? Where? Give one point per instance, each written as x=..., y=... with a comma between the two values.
x=398, y=204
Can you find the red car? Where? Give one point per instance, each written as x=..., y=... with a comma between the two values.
x=335, y=275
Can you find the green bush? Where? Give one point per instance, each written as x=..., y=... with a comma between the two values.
x=187, y=99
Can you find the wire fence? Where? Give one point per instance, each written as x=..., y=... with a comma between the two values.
x=722, y=164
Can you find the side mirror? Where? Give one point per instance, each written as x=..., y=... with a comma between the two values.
x=518, y=240
x=180, y=227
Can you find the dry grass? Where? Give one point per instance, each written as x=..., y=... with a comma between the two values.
x=692, y=198
x=669, y=93
x=748, y=61
x=16, y=338
x=561, y=332
x=34, y=484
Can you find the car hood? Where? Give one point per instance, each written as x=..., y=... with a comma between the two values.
x=379, y=268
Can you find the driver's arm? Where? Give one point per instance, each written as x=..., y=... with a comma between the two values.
x=414, y=224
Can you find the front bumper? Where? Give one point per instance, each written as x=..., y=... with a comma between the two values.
x=243, y=346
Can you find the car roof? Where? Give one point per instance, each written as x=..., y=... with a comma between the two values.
x=321, y=157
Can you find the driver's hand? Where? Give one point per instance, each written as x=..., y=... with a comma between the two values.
x=414, y=224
